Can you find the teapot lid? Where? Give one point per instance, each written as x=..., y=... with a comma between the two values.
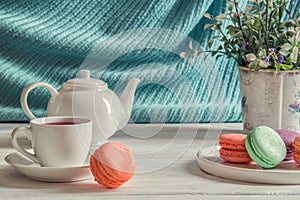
x=85, y=80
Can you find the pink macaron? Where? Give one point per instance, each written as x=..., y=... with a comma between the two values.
x=112, y=164
x=233, y=148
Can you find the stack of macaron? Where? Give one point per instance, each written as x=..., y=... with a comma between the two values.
x=263, y=145
x=233, y=148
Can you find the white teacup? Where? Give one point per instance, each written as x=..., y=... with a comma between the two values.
x=57, y=141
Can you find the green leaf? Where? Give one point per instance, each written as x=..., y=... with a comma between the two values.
x=298, y=37
x=208, y=16
x=257, y=42
x=226, y=45
x=272, y=16
x=256, y=22
x=277, y=67
x=292, y=40
x=218, y=56
x=284, y=53
x=220, y=17
x=286, y=47
x=224, y=39
x=262, y=64
x=213, y=53
x=197, y=53
x=214, y=27
x=262, y=53
x=251, y=57
x=229, y=55
x=230, y=6
x=286, y=67
x=253, y=65
x=207, y=26
x=206, y=56
x=294, y=55
x=210, y=42
x=274, y=39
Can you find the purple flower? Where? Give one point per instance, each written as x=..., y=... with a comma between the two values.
x=235, y=14
x=244, y=45
x=280, y=59
x=267, y=59
x=294, y=106
x=271, y=51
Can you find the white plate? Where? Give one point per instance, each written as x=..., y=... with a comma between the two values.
x=48, y=174
x=285, y=173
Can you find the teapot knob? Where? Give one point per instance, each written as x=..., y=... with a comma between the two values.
x=84, y=73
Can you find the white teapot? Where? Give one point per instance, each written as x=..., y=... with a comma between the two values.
x=88, y=97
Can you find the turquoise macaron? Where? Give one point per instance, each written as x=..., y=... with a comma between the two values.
x=265, y=147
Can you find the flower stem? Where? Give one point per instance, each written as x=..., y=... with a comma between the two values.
x=236, y=4
x=232, y=46
x=222, y=52
x=267, y=27
x=290, y=10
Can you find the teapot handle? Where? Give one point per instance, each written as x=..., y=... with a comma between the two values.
x=30, y=87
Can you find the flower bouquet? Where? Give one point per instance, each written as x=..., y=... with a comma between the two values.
x=263, y=35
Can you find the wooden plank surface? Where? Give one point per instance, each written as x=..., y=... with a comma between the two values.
x=167, y=168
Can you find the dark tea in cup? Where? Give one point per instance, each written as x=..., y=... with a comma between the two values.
x=61, y=123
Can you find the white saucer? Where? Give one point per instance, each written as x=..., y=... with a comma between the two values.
x=48, y=174
x=287, y=172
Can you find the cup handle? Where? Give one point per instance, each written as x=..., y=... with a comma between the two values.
x=16, y=145
x=30, y=87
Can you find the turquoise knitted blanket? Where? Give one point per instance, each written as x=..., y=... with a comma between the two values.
x=50, y=40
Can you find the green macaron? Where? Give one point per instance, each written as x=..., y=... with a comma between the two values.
x=265, y=147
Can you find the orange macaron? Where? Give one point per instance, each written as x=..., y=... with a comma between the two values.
x=112, y=164
x=296, y=154
x=233, y=148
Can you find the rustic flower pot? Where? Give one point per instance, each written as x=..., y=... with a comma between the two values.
x=271, y=99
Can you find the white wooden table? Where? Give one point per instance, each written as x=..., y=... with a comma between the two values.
x=167, y=167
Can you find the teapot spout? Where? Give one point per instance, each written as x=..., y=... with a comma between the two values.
x=126, y=100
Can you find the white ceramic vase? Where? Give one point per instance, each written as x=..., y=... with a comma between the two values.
x=271, y=99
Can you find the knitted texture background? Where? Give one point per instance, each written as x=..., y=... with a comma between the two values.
x=48, y=40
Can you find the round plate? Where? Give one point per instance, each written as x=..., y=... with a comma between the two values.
x=47, y=174
x=287, y=172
